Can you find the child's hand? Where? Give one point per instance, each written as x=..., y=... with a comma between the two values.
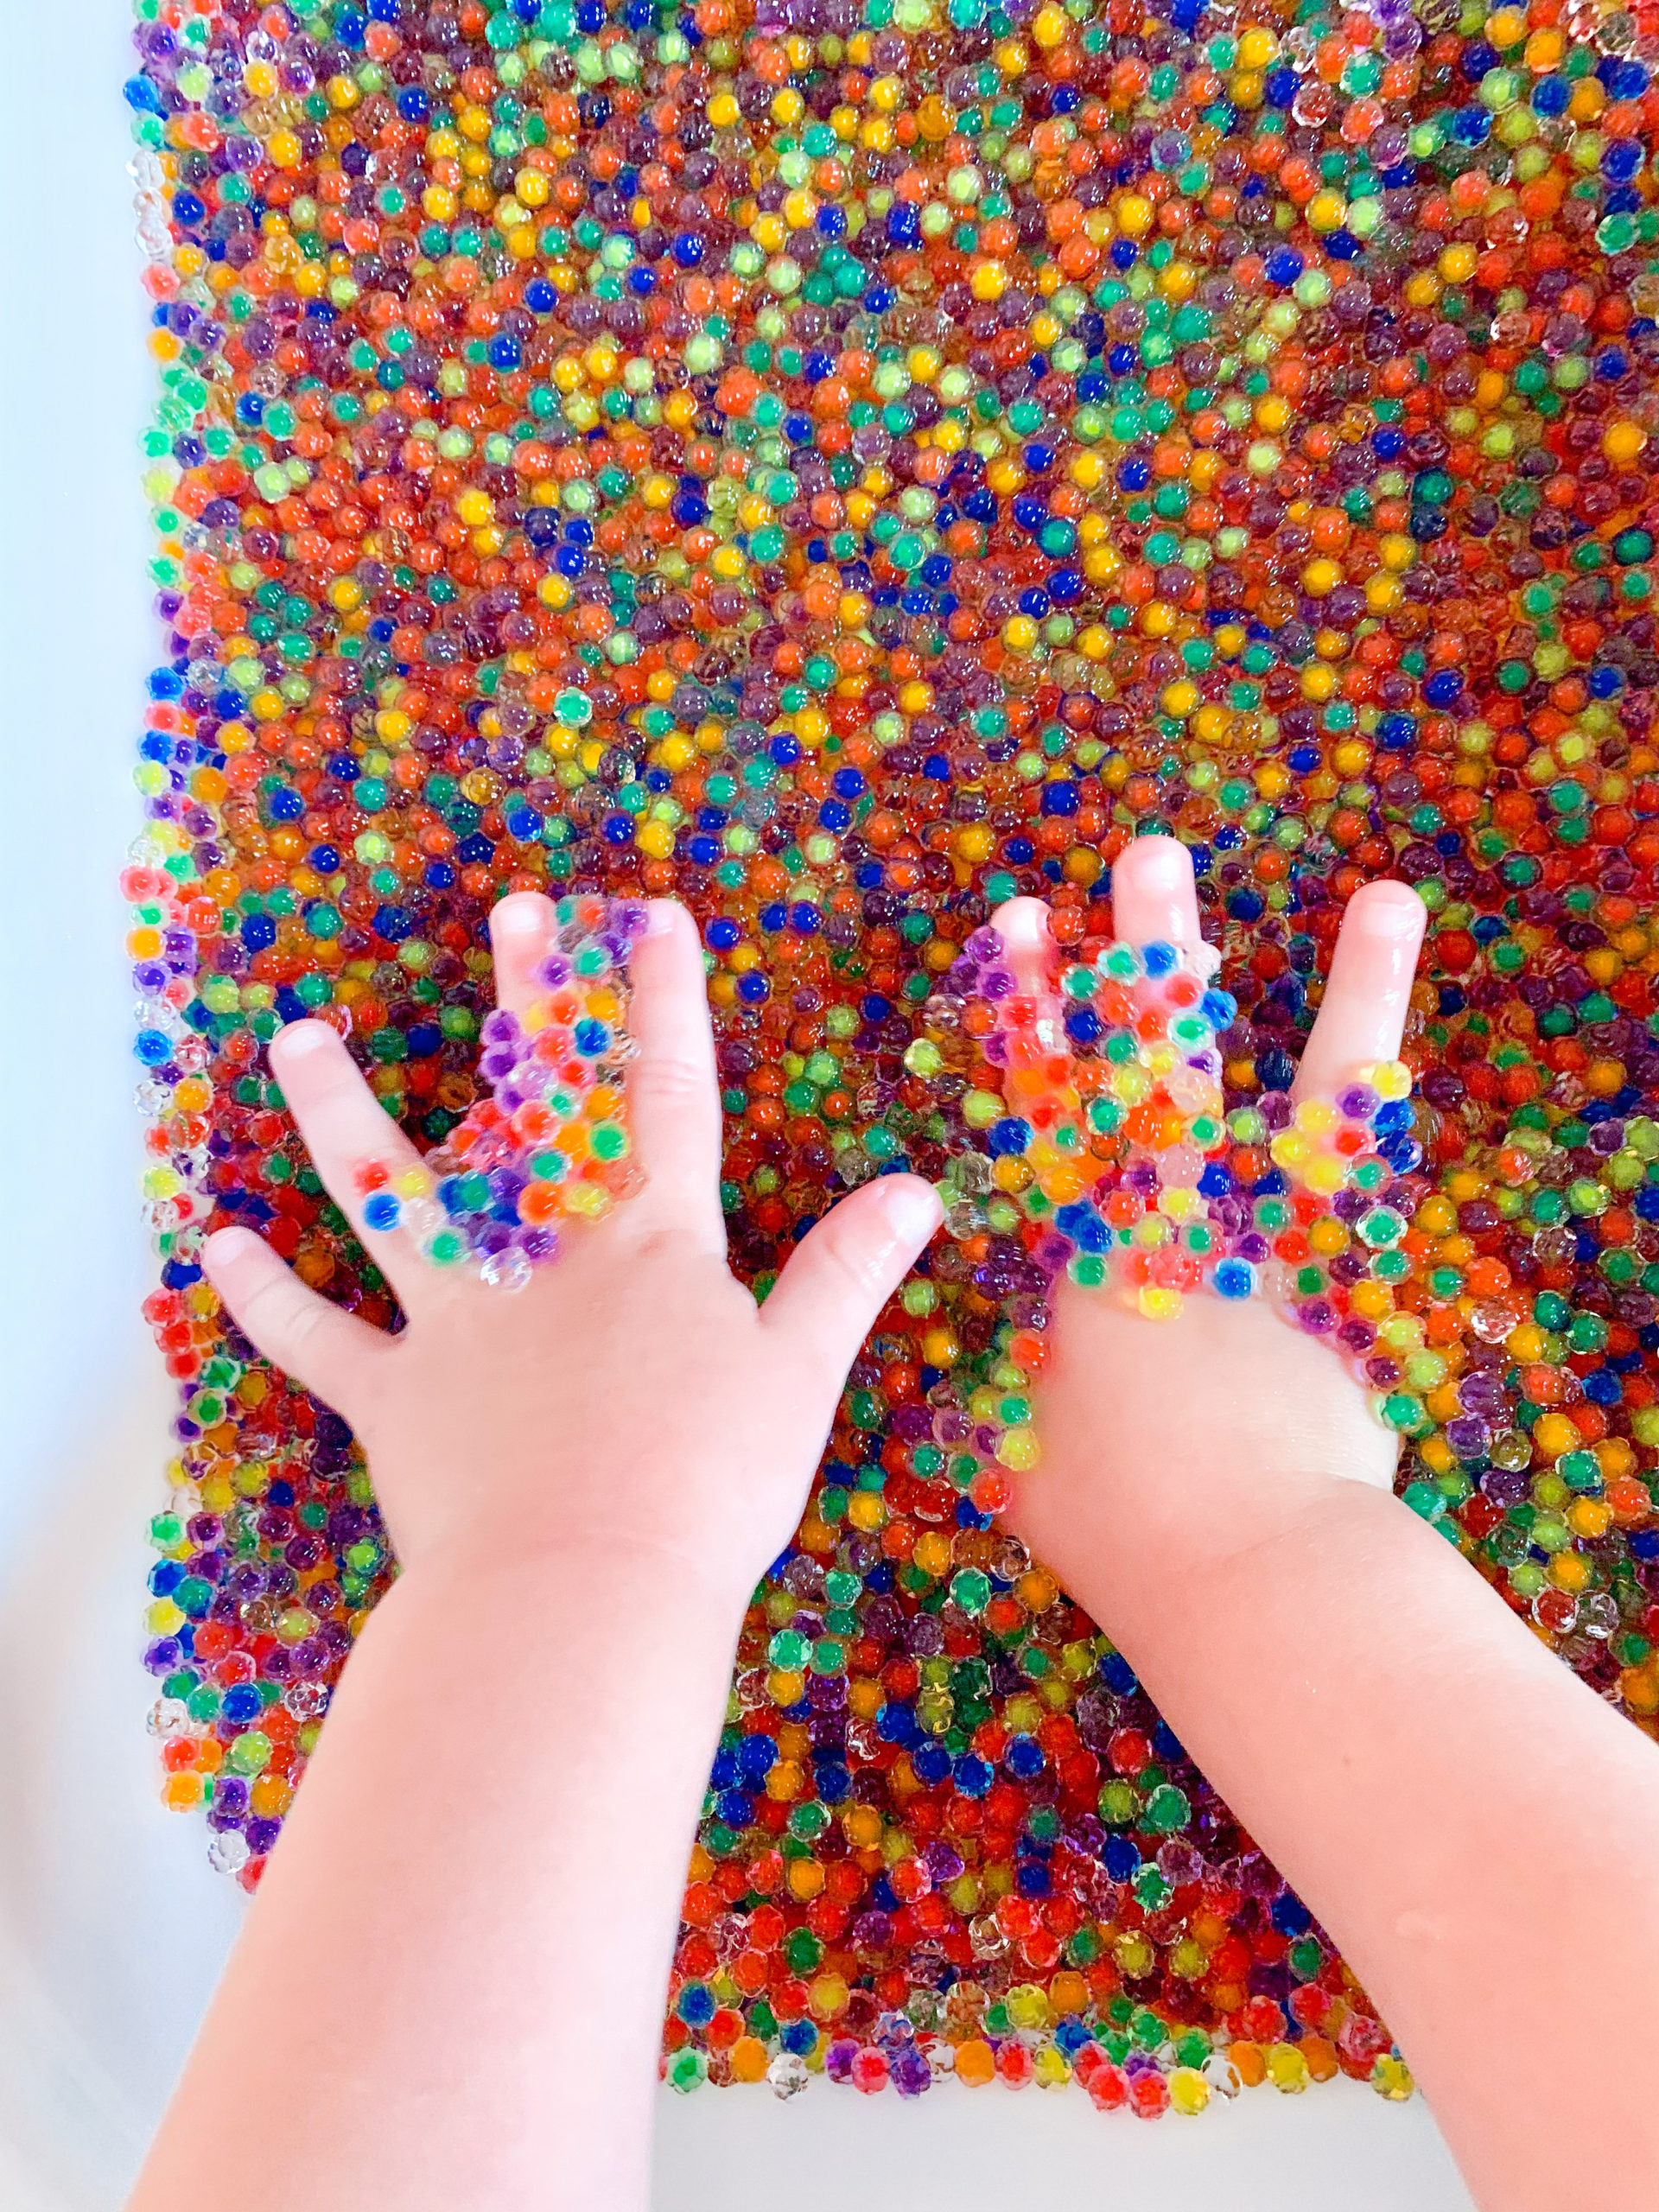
x=632, y=1400
x=1153, y=1423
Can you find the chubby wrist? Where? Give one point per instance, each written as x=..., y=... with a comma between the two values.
x=1167, y=1551
x=640, y=1617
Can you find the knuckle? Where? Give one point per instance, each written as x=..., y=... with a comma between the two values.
x=668, y=1080
x=848, y=1257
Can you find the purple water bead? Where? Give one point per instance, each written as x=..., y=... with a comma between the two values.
x=1468, y=1436
x=838, y=2059
x=911, y=2073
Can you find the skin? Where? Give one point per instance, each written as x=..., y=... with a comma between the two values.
x=1475, y=1827
x=458, y=1955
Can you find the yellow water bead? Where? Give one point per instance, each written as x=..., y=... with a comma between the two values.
x=1327, y=211
x=1555, y=1435
x=1135, y=1956
x=1188, y=2093
x=1289, y=1149
x=827, y=1993
x=1622, y=443
x=932, y=1553
x=1382, y=596
x=1390, y=1079
x=1019, y=1450
x=1288, y=2069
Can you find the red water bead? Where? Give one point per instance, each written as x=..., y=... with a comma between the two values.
x=1260, y=2021
x=1148, y=2095
x=1108, y=2085
x=869, y=2071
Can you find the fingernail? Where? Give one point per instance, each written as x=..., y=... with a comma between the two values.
x=662, y=918
x=230, y=1245
x=914, y=1209
x=1390, y=909
x=517, y=916
x=301, y=1039
x=1161, y=856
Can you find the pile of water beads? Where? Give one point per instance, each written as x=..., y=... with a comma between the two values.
x=550, y=1142
x=842, y=463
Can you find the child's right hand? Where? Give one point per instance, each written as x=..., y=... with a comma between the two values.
x=1167, y=1442
x=1474, y=1828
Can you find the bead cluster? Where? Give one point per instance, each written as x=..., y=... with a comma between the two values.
x=842, y=463
x=551, y=1140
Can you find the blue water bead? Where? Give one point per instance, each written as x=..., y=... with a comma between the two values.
x=931, y=1762
x=1082, y=1224
x=1024, y=1758
x=1119, y=1858
x=1290, y=1916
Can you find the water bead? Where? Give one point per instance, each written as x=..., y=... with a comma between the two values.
x=843, y=469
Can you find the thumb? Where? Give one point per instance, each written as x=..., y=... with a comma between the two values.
x=843, y=1274
x=330, y=1351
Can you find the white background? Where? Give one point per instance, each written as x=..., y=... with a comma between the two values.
x=111, y=1928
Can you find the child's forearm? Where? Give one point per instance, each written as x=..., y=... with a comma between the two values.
x=455, y=1970
x=1387, y=1729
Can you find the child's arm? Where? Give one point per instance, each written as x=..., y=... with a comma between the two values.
x=1479, y=1831
x=449, y=1990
